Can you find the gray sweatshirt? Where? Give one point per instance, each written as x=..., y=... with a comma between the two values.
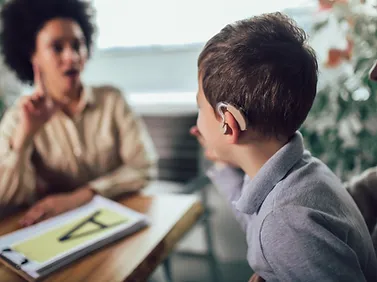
x=300, y=222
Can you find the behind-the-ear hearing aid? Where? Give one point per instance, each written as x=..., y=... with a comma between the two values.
x=237, y=114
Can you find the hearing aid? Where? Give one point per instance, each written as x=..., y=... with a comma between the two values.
x=236, y=113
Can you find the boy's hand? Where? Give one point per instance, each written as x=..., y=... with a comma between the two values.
x=256, y=278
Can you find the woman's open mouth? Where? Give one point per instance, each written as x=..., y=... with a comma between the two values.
x=72, y=73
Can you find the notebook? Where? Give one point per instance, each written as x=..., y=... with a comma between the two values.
x=38, y=250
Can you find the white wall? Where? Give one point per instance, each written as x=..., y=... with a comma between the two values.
x=155, y=79
x=166, y=75
x=146, y=70
x=156, y=69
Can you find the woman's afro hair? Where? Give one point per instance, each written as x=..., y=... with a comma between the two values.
x=21, y=20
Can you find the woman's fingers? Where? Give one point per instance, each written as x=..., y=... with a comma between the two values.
x=40, y=105
x=29, y=107
x=42, y=210
x=40, y=88
x=38, y=96
x=35, y=107
x=37, y=79
x=35, y=214
x=42, y=93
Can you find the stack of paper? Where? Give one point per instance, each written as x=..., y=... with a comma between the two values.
x=38, y=250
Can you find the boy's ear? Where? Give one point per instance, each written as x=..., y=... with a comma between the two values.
x=232, y=131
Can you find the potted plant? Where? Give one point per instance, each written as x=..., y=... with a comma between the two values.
x=341, y=128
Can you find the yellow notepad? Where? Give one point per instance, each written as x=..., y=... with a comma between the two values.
x=64, y=238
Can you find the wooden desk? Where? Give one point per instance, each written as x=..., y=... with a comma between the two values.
x=135, y=257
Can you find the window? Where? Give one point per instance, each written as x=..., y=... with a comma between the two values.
x=130, y=23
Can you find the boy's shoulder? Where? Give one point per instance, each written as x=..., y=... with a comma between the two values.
x=311, y=196
x=309, y=182
x=312, y=185
x=307, y=216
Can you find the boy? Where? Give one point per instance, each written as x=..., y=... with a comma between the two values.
x=257, y=83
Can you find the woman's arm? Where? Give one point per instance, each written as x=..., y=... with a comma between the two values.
x=136, y=151
x=17, y=173
x=138, y=165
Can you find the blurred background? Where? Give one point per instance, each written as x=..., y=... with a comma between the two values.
x=149, y=49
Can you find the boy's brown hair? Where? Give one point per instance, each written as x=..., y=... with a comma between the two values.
x=263, y=66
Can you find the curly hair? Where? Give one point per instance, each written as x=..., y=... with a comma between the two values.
x=23, y=19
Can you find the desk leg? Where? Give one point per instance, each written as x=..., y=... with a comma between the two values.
x=214, y=265
x=167, y=269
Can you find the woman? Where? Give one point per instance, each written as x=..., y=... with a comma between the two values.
x=65, y=142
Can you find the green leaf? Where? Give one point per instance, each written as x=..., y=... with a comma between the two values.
x=318, y=26
x=361, y=63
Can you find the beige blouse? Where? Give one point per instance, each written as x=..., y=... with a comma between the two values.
x=105, y=146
